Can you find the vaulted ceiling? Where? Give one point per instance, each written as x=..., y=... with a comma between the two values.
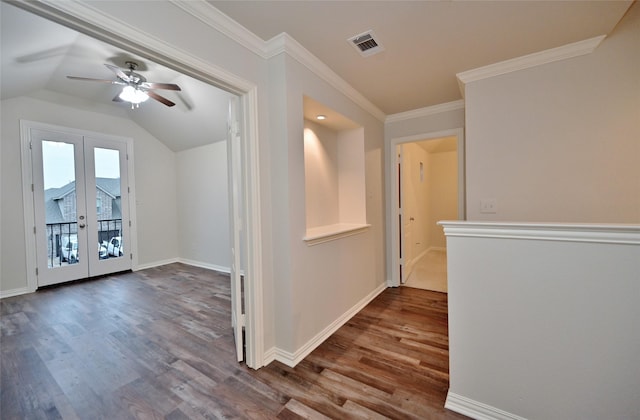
x=425, y=44
x=37, y=55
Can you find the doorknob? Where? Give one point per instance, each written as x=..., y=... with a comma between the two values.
x=411, y=219
x=82, y=225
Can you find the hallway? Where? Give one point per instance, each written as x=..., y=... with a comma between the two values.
x=157, y=343
x=430, y=272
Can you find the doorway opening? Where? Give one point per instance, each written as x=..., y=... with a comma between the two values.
x=248, y=246
x=427, y=186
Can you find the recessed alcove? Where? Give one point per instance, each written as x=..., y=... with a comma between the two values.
x=334, y=168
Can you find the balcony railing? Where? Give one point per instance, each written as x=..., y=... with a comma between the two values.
x=62, y=241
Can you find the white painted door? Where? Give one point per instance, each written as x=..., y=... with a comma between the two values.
x=108, y=216
x=401, y=242
x=81, y=206
x=235, y=226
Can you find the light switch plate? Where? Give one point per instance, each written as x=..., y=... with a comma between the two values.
x=488, y=205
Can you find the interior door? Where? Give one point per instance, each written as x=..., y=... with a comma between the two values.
x=235, y=226
x=401, y=267
x=81, y=199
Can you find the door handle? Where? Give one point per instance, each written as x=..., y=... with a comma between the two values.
x=81, y=225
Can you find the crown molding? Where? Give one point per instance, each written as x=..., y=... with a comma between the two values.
x=282, y=43
x=425, y=112
x=287, y=44
x=531, y=60
x=214, y=18
x=77, y=14
x=84, y=17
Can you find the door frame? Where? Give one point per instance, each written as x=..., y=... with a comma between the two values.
x=392, y=170
x=84, y=18
x=27, y=190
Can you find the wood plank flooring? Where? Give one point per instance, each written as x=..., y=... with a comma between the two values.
x=157, y=344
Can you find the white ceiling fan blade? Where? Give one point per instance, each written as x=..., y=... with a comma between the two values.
x=122, y=75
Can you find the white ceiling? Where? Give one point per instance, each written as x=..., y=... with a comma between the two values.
x=425, y=42
x=37, y=55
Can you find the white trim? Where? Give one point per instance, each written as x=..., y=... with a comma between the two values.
x=392, y=175
x=133, y=217
x=477, y=410
x=284, y=43
x=254, y=305
x=269, y=355
x=292, y=359
x=27, y=202
x=329, y=233
x=83, y=17
x=155, y=264
x=425, y=112
x=15, y=292
x=564, y=52
x=600, y=233
x=208, y=266
x=214, y=18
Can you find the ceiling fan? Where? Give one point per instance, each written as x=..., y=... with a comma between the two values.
x=136, y=88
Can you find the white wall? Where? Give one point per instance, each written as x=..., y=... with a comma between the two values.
x=543, y=320
x=203, y=206
x=559, y=142
x=554, y=335
x=155, y=177
x=322, y=177
x=324, y=282
x=442, y=177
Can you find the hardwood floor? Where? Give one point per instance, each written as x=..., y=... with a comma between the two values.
x=158, y=344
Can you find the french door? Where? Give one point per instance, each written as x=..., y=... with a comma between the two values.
x=81, y=205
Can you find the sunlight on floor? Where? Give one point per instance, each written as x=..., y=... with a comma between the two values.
x=430, y=272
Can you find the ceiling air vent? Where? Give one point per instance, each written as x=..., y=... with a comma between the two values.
x=366, y=44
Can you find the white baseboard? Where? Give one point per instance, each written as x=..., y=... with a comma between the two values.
x=477, y=410
x=14, y=292
x=186, y=261
x=292, y=359
x=208, y=266
x=269, y=356
x=154, y=264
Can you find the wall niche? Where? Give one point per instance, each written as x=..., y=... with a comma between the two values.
x=334, y=168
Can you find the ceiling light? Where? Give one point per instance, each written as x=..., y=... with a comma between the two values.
x=321, y=117
x=133, y=95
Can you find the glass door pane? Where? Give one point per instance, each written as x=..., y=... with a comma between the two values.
x=59, y=204
x=58, y=168
x=108, y=203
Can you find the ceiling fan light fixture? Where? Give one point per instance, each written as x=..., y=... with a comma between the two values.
x=133, y=95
